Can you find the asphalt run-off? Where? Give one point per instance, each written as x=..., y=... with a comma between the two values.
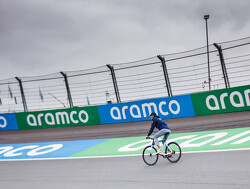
x=206, y=141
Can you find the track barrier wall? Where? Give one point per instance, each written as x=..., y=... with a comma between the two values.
x=166, y=108
x=206, y=103
x=222, y=101
x=58, y=118
x=8, y=122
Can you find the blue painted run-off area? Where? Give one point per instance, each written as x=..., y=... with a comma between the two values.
x=46, y=149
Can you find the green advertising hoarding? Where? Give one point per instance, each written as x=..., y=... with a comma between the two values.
x=222, y=101
x=58, y=118
x=206, y=103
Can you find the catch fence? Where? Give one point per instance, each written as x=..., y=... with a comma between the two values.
x=159, y=76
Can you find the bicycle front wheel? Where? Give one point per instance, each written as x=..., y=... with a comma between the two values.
x=149, y=155
x=175, y=154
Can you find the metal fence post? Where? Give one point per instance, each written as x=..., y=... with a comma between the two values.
x=22, y=94
x=165, y=71
x=68, y=90
x=114, y=83
x=223, y=66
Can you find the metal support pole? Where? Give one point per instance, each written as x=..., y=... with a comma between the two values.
x=114, y=83
x=165, y=71
x=206, y=17
x=68, y=90
x=22, y=94
x=223, y=66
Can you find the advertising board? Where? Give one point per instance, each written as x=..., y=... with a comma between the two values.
x=58, y=118
x=8, y=122
x=222, y=101
x=169, y=107
x=206, y=103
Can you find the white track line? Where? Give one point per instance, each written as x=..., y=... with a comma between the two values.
x=132, y=155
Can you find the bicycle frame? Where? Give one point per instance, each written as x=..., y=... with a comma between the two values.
x=166, y=147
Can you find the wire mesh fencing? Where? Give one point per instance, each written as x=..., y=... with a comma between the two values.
x=160, y=76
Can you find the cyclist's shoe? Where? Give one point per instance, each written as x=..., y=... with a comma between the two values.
x=159, y=151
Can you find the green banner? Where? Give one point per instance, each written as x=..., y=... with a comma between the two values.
x=58, y=118
x=222, y=101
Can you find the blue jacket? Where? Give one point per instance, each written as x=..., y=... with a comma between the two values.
x=158, y=123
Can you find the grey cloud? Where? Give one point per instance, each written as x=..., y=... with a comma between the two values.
x=47, y=36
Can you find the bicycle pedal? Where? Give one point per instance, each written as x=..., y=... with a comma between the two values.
x=163, y=154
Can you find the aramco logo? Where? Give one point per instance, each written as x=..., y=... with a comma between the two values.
x=236, y=99
x=143, y=110
x=58, y=118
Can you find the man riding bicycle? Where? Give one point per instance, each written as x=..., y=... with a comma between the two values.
x=163, y=130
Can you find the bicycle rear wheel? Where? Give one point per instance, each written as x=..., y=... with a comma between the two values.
x=176, y=152
x=149, y=155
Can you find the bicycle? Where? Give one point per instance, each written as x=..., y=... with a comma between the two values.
x=172, y=151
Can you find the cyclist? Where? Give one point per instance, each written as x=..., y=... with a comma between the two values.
x=163, y=130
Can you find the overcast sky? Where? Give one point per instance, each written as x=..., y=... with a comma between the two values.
x=39, y=37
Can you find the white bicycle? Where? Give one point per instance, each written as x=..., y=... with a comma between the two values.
x=172, y=151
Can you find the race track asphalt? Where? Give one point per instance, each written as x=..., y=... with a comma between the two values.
x=194, y=170
x=216, y=170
